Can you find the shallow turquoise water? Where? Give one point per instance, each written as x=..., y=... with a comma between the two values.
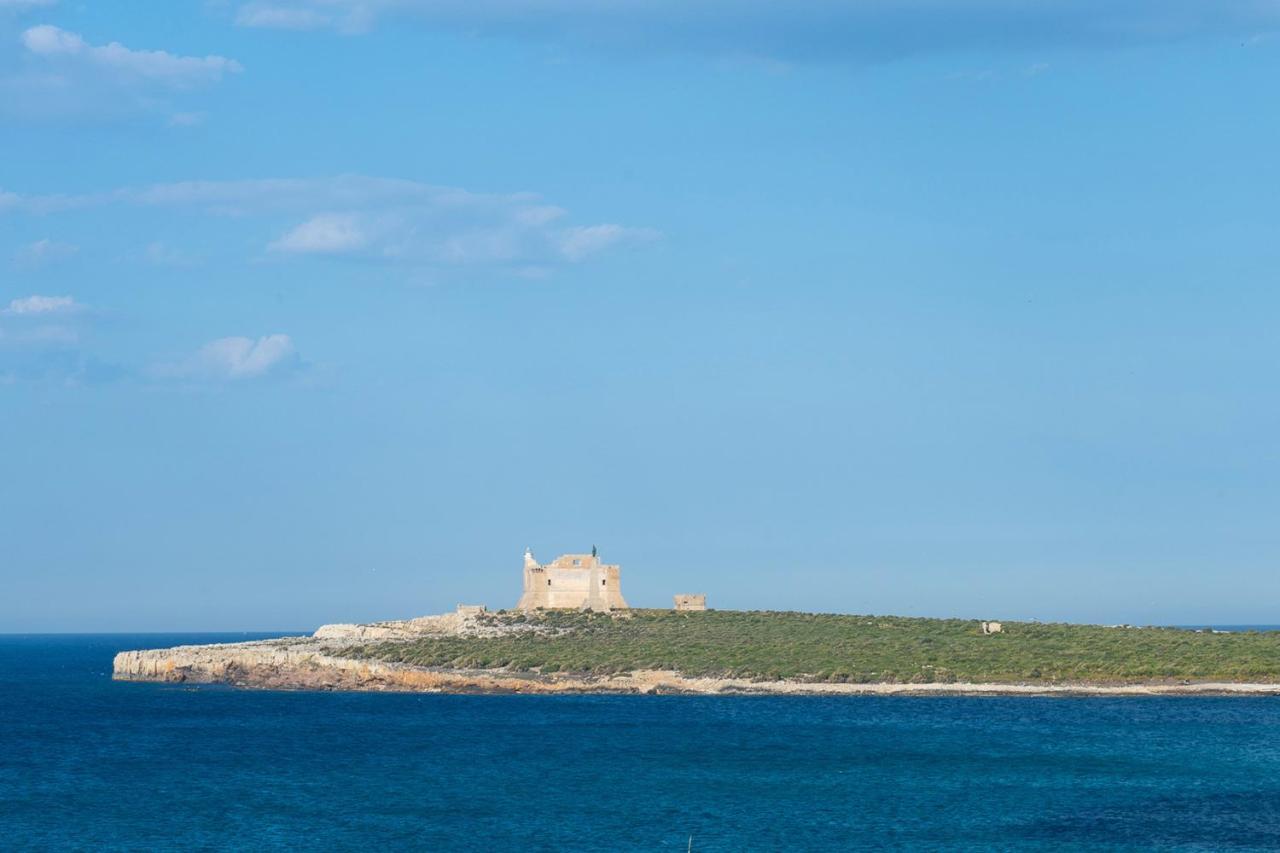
x=91, y=764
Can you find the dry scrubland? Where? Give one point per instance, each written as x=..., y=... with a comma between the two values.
x=837, y=648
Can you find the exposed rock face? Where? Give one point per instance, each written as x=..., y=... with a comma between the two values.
x=448, y=623
x=221, y=662
x=272, y=659
x=316, y=662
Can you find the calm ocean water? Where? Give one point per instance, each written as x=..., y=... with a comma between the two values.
x=91, y=764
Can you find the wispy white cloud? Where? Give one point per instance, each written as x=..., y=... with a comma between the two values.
x=60, y=74
x=974, y=75
x=583, y=241
x=40, y=338
x=57, y=335
x=325, y=234
x=43, y=339
x=54, y=43
x=43, y=252
x=274, y=16
x=384, y=219
x=193, y=119
x=860, y=30
x=160, y=254
x=235, y=358
x=37, y=305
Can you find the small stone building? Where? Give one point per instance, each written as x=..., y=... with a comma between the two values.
x=571, y=582
x=691, y=601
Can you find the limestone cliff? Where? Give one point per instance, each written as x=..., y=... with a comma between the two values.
x=317, y=661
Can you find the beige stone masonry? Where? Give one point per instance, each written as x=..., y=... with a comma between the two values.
x=571, y=582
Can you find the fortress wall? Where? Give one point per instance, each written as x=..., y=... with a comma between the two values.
x=571, y=582
x=613, y=588
x=535, y=589
x=569, y=587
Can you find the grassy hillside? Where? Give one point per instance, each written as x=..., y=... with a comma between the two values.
x=824, y=647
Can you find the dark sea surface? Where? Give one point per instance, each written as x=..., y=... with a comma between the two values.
x=86, y=763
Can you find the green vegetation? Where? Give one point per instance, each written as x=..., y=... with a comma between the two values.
x=822, y=647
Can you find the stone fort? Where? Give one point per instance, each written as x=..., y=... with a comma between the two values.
x=571, y=582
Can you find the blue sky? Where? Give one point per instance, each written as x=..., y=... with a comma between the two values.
x=324, y=310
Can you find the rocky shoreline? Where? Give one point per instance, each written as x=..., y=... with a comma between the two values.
x=317, y=663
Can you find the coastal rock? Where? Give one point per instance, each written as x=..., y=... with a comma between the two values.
x=445, y=624
x=311, y=662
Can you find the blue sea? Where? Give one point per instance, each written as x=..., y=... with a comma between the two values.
x=90, y=764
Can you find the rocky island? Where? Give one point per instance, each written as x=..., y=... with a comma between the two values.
x=573, y=632
x=728, y=652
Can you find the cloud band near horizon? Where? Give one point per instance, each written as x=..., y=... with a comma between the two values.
x=859, y=30
x=384, y=219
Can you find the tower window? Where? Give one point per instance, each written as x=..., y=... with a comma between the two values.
x=548, y=581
